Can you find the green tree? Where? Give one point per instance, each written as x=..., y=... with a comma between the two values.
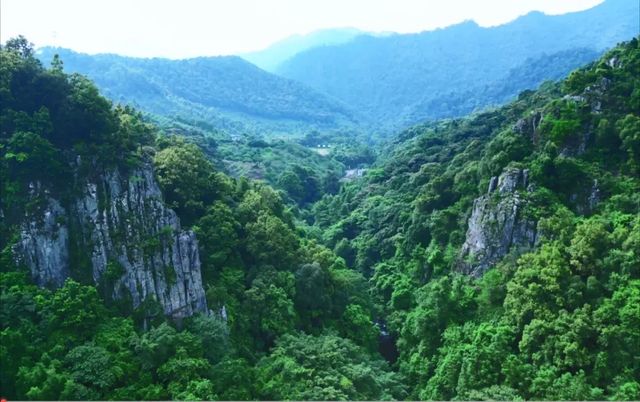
x=188, y=180
x=304, y=367
x=313, y=294
x=21, y=46
x=93, y=367
x=269, y=310
x=271, y=242
x=629, y=132
x=74, y=310
x=213, y=334
x=219, y=239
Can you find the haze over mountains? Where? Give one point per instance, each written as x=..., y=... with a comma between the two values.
x=271, y=58
x=341, y=80
x=403, y=79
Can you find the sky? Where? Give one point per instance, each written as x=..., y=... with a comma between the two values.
x=189, y=28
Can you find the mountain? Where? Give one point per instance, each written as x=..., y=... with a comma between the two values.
x=227, y=93
x=504, y=246
x=271, y=58
x=402, y=79
x=490, y=257
x=131, y=269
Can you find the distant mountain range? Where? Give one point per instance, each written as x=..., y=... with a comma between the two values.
x=346, y=80
x=228, y=93
x=272, y=57
x=398, y=80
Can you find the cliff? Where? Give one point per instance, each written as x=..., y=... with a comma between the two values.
x=497, y=223
x=115, y=230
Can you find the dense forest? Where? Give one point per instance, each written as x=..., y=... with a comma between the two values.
x=228, y=93
x=493, y=256
x=520, y=287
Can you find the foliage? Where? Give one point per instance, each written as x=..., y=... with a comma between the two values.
x=304, y=367
x=227, y=93
x=298, y=309
x=533, y=327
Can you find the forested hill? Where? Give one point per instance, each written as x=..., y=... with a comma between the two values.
x=228, y=93
x=504, y=248
x=403, y=79
x=130, y=269
x=492, y=257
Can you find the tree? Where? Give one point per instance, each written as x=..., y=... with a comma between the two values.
x=75, y=310
x=271, y=242
x=161, y=343
x=186, y=376
x=538, y=286
x=313, y=298
x=30, y=155
x=87, y=117
x=21, y=46
x=629, y=133
x=213, y=334
x=356, y=325
x=257, y=201
x=234, y=380
x=269, y=310
x=291, y=183
x=618, y=325
x=188, y=180
x=470, y=359
x=43, y=381
x=57, y=64
x=589, y=244
x=93, y=367
x=218, y=237
x=304, y=367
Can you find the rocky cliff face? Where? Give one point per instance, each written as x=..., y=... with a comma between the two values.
x=497, y=223
x=44, y=241
x=128, y=239
x=529, y=126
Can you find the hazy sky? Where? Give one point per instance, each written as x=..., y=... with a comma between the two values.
x=187, y=28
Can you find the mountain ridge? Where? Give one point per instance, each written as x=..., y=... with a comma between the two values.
x=387, y=79
x=275, y=54
x=227, y=91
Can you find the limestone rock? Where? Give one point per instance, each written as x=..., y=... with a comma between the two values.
x=134, y=242
x=497, y=224
x=529, y=126
x=586, y=200
x=44, y=245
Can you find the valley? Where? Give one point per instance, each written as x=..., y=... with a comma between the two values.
x=448, y=215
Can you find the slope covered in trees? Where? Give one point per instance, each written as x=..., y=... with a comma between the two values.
x=248, y=121
x=268, y=284
x=228, y=93
x=297, y=310
x=554, y=315
x=399, y=80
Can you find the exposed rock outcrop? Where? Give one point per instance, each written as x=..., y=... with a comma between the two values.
x=133, y=241
x=529, y=126
x=585, y=200
x=44, y=243
x=497, y=223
